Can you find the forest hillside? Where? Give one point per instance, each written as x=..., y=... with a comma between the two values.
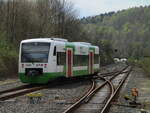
x=118, y=34
x=127, y=33
x=128, y=30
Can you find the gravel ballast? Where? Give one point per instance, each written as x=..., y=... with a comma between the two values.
x=137, y=79
x=54, y=99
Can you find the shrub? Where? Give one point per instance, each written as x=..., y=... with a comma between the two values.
x=145, y=64
x=8, y=60
x=131, y=61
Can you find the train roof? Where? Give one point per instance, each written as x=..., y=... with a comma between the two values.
x=37, y=40
x=85, y=44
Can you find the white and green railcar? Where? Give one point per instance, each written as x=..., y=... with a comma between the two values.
x=45, y=59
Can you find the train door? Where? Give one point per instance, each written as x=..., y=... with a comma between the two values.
x=60, y=60
x=54, y=60
x=91, y=62
x=69, y=62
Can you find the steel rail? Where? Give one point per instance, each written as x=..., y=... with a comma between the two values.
x=19, y=92
x=108, y=103
x=15, y=89
x=113, y=74
x=89, y=95
x=109, y=73
x=75, y=105
x=92, y=92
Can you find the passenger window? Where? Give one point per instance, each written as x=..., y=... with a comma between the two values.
x=54, y=54
x=61, y=58
x=80, y=60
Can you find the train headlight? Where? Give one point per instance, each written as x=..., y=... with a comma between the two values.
x=22, y=65
x=45, y=65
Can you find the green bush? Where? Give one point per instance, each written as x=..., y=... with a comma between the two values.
x=3, y=69
x=145, y=64
x=132, y=61
x=8, y=60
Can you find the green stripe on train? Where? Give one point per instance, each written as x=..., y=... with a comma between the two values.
x=80, y=72
x=44, y=78
x=70, y=45
x=48, y=76
x=92, y=48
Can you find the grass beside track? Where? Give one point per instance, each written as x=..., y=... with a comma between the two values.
x=8, y=81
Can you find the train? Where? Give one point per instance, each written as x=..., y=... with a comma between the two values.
x=44, y=59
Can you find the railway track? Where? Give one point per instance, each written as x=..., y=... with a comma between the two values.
x=18, y=91
x=24, y=89
x=110, y=96
x=91, y=94
x=116, y=91
x=109, y=73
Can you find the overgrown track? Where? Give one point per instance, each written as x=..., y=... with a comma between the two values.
x=11, y=93
x=14, y=89
x=89, y=95
x=21, y=90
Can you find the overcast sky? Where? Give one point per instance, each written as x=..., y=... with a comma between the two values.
x=95, y=7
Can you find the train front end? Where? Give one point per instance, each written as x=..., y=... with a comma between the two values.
x=33, y=61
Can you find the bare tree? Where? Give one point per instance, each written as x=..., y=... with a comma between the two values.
x=38, y=18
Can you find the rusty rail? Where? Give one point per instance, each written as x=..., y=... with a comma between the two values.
x=93, y=91
x=11, y=93
x=15, y=89
x=108, y=103
x=75, y=105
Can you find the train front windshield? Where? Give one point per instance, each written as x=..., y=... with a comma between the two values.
x=35, y=52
